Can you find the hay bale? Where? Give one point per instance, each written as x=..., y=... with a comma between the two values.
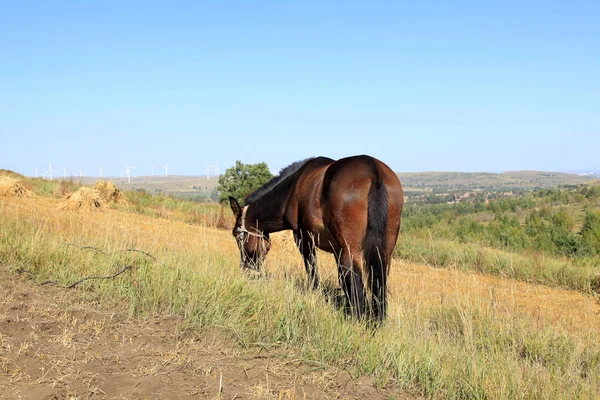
x=109, y=192
x=85, y=199
x=11, y=187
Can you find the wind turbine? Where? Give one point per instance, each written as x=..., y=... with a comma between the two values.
x=101, y=168
x=80, y=173
x=36, y=171
x=166, y=167
x=152, y=166
x=128, y=172
x=64, y=171
x=215, y=168
x=50, y=170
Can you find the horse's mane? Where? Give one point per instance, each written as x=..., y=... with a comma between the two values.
x=283, y=174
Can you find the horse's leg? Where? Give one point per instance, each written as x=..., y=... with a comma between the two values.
x=306, y=245
x=350, y=276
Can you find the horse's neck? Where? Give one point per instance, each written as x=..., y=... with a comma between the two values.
x=267, y=213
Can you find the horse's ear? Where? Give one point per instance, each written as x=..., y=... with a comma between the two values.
x=235, y=206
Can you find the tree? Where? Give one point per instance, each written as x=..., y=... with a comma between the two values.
x=591, y=230
x=242, y=179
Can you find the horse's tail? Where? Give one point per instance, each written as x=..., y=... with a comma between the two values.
x=375, y=252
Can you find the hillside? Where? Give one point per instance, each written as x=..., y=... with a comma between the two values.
x=444, y=324
x=513, y=180
x=478, y=308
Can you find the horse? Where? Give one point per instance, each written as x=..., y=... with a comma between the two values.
x=351, y=207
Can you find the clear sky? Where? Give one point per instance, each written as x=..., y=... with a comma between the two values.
x=463, y=86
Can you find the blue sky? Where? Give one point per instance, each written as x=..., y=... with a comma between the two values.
x=462, y=86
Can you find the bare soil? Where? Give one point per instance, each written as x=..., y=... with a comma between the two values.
x=57, y=344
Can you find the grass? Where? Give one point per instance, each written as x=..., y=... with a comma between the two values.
x=170, y=207
x=534, y=267
x=446, y=336
x=537, y=237
x=438, y=250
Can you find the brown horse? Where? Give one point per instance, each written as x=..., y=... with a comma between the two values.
x=350, y=207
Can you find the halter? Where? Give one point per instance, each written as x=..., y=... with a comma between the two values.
x=242, y=227
x=242, y=239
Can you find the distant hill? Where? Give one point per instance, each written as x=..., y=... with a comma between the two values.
x=488, y=180
x=186, y=186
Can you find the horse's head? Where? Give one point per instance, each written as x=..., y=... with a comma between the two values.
x=252, y=243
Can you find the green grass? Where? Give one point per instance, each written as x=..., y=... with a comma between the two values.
x=539, y=237
x=580, y=275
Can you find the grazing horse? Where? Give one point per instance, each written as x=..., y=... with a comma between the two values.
x=350, y=207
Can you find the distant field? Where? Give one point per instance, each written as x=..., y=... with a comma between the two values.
x=487, y=180
x=178, y=185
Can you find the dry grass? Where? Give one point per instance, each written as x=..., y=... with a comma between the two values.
x=85, y=199
x=109, y=192
x=64, y=188
x=12, y=187
x=422, y=284
x=11, y=174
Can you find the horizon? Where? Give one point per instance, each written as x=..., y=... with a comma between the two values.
x=58, y=175
x=462, y=87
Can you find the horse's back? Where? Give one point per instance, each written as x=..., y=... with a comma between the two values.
x=334, y=196
x=347, y=185
x=349, y=178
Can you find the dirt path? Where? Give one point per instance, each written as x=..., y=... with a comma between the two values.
x=54, y=345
